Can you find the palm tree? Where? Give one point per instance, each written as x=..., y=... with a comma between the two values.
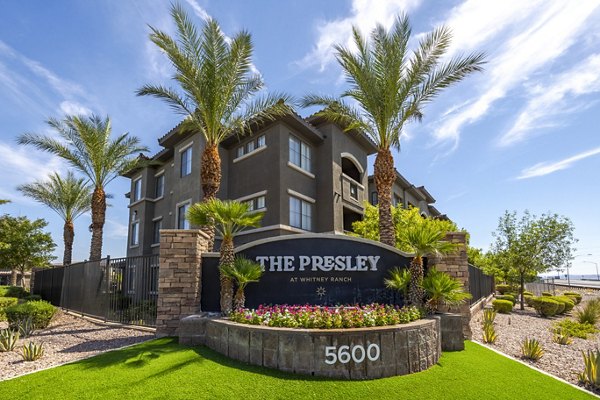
x=2, y=201
x=227, y=218
x=217, y=92
x=399, y=280
x=86, y=145
x=390, y=88
x=441, y=288
x=422, y=240
x=69, y=197
x=243, y=271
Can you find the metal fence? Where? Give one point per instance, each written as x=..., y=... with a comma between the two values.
x=114, y=289
x=480, y=284
x=541, y=285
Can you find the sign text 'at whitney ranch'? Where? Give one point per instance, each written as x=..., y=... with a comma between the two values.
x=318, y=263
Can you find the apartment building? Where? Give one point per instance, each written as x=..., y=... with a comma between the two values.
x=307, y=175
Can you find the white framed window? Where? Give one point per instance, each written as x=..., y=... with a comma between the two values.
x=159, y=186
x=137, y=189
x=186, y=162
x=156, y=227
x=261, y=141
x=257, y=203
x=135, y=233
x=300, y=153
x=182, y=222
x=374, y=199
x=251, y=146
x=300, y=213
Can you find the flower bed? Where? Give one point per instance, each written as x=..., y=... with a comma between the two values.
x=320, y=317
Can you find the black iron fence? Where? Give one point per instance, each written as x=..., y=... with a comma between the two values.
x=114, y=289
x=480, y=284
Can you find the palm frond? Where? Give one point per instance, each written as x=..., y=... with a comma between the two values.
x=228, y=217
x=424, y=240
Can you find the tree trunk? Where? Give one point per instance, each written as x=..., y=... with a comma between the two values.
x=385, y=174
x=240, y=298
x=227, y=258
x=98, y=218
x=68, y=236
x=210, y=177
x=415, y=291
x=522, y=290
x=13, y=277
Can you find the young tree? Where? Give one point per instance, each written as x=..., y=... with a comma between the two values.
x=391, y=87
x=28, y=245
x=228, y=218
x=86, y=144
x=530, y=245
x=243, y=271
x=69, y=197
x=218, y=89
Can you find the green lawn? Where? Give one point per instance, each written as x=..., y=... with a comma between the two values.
x=161, y=369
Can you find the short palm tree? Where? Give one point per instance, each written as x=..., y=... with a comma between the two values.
x=243, y=272
x=422, y=240
x=69, y=197
x=390, y=87
x=399, y=280
x=85, y=143
x=441, y=288
x=227, y=218
x=218, y=89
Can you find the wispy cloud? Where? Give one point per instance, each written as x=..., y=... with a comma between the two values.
x=548, y=102
x=116, y=230
x=74, y=108
x=545, y=168
x=365, y=15
x=548, y=31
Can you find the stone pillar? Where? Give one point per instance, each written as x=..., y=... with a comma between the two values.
x=456, y=265
x=179, y=277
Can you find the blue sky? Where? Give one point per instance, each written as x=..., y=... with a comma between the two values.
x=521, y=135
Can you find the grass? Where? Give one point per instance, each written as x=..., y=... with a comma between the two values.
x=161, y=369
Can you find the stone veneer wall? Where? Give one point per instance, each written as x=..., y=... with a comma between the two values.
x=457, y=265
x=404, y=349
x=179, y=277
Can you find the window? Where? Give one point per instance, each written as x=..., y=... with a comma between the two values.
x=186, y=162
x=182, y=222
x=354, y=191
x=135, y=233
x=396, y=200
x=159, y=186
x=156, y=227
x=252, y=145
x=256, y=203
x=300, y=153
x=300, y=214
x=137, y=189
x=260, y=141
x=374, y=199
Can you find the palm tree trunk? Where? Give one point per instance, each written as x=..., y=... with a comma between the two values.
x=210, y=176
x=415, y=291
x=98, y=218
x=227, y=258
x=240, y=298
x=385, y=174
x=68, y=236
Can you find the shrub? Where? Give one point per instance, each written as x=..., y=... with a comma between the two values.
x=546, y=307
x=8, y=340
x=32, y=351
x=40, y=312
x=8, y=301
x=573, y=295
x=489, y=315
x=526, y=293
x=574, y=328
x=489, y=334
x=590, y=313
x=531, y=349
x=502, y=306
x=547, y=294
x=13, y=291
x=529, y=300
x=502, y=288
x=590, y=375
x=507, y=297
x=33, y=297
x=569, y=304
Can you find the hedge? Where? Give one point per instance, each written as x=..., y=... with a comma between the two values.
x=576, y=297
x=13, y=291
x=502, y=306
x=40, y=312
x=546, y=306
x=507, y=297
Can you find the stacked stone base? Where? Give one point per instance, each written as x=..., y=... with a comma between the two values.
x=403, y=349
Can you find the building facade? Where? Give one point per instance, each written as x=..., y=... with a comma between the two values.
x=306, y=175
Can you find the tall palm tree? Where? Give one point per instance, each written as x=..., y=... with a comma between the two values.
x=69, y=197
x=390, y=87
x=86, y=144
x=243, y=271
x=422, y=240
x=217, y=89
x=227, y=218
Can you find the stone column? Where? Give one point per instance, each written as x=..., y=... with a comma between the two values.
x=179, y=277
x=456, y=265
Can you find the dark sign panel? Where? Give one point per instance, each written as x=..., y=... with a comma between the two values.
x=312, y=269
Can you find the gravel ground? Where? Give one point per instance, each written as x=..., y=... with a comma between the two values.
x=69, y=338
x=564, y=361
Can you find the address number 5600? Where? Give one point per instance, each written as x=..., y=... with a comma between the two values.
x=358, y=353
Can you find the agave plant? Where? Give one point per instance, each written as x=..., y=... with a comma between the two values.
x=26, y=327
x=562, y=337
x=590, y=376
x=531, y=349
x=489, y=334
x=32, y=351
x=8, y=340
x=399, y=280
x=590, y=313
x=243, y=272
x=440, y=288
x=489, y=316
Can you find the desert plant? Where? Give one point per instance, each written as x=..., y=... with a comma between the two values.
x=243, y=271
x=507, y=297
x=590, y=375
x=502, y=306
x=577, y=329
x=545, y=307
x=32, y=351
x=590, y=313
x=501, y=288
x=26, y=327
x=531, y=349
x=8, y=340
x=40, y=312
x=398, y=280
x=489, y=334
x=489, y=315
x=561, y=336
x=440, y=288
x=573, y=295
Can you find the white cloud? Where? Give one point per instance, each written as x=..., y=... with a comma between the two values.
x=365, y=15
x=116, y=230
x=198, y=10
x=545, y=168
x=548, y=101
x=550, y=29
x=74, y=108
